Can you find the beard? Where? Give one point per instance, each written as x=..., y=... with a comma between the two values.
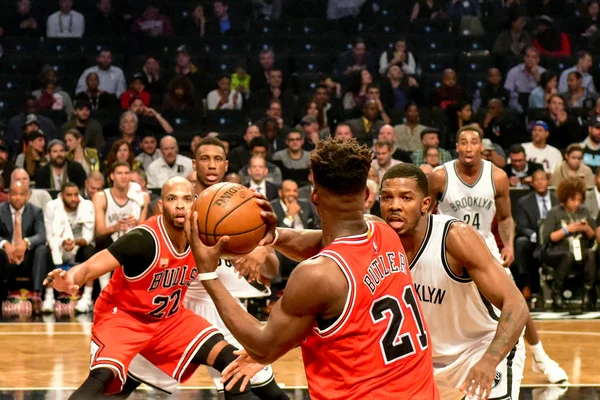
x=58, y=162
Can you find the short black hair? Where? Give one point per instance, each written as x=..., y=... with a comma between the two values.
x=68, y=185
x=409, y=171
x=409, y=105
x=430, y=130
x=258, y=142
x=516, y=149
x=469, y=128
x=211, y=141
x=117, y=164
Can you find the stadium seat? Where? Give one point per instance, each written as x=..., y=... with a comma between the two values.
x=434, y=63
x=227, y=45
x=10, y=104
x=313, y=63
x=59, y=117
x=185, y=124
x=224, y=64
x=431, y=43
x=17, y=83
x=20, y=63
x=269, y=27
x=559, y=64
x=307, y=82
x=310, y=45
x=430, y=27
x=20, y=45
x=474, y=43
x=54, y=46
x=386, y=24
x=279, y=44
x=92, y=45
x=431, y=80
x=473, y=80
x=226, y=122
x=310, y=27
x=470, y=64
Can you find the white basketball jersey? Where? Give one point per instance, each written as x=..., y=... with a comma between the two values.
x=473, y=204
x=116, y=212
x=459, y=318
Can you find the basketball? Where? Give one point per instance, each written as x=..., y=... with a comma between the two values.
x=229, y=209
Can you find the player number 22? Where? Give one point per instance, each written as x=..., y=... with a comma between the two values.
x=474, y=222
x=163, y=301
x=394, y=344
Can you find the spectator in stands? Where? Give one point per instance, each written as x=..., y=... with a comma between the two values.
x=120, y=151
x=371, y=204
x=269, y=10
x=530, y=212
x=69, y=223
x=136, y=90
x=240, y=155
x=275, y=91
x=93, y=184
x=149, y=119
x=37, y=197
x=257, y=171
x=260, y=74
x=583, y=66
x=184, y=66
x=156, y=79
x=329, y=102
x=101, y=20
x=180, y=94
x=494, y=89
x=541, y=94
x=459, y=115
x=23, y=22
x=309, y=127
x=139, y=176
x=589, y=22
x=356, y=96
x=169, y=165
x=365, y=129
x=502, y=126
x=293, y=161
x=461, y=11
x=449, y=92
x=538, y=151
x=592, y=200
x=591, y=146
x=98, y=99
x=430, y=137
x=196, y=27
x=152, y=23
x=48, y=74
x=34, y=156
x=343, y=132
x=196, y=142
x=576, y=95
x=549, y=40
x=493, y=153
x=383, y=158
x=398, y=89
x=431, y=156
x=408, y=135
x=27, y=120
x=520, y=171
x=314, y=110
x=232, y=177
x=523, y=78
x=59, y=170
x=88, y=157
x=223, y=23
x=573, y=167
x=223, y=98
x=260, y=147
x=275, y=111
x=355, y=59
x=66, y=22
x=399, y=56
x=85, y=125
x=6, y=168
x=150, y=151
x=388, y=134
x=427, y=10
x=274, y=135
x=23, y=239
x=566, y=223
x=50, y=99
x=564, y=128
x=112, y=79
x=513, y=41
x=240, y=81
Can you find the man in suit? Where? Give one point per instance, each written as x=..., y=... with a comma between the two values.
x=257, y=170
x=366, y=128
x=531, y=210
x=22, y=241
x=59, y=170
x=520, y=171
x=304, y=194
x=592, y=197
x=292, y=213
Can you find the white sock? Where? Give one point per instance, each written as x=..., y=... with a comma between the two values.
x=538, y=351
x=87, y=292
x=49, y=293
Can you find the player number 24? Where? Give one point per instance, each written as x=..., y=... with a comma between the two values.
x=163, y=302
x=395, y=344
x=474, y=222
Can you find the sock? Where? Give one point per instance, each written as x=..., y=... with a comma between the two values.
x=270, y=391
x=87, y=292
x=93, y=386
x=49, y=293
x=538, y=351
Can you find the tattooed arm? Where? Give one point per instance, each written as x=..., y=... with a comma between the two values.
x=506, y=224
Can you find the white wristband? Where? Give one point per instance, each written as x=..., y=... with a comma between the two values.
x=276, y=238
x=208, y=276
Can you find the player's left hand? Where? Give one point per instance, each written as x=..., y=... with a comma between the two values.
x=243, y=367
x=206, y=257
x=508, y=256
x=478, y=383
x=268, y=216
x=249, y=265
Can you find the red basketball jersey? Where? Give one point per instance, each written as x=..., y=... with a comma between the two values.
x=379, y=347
x=158, y=291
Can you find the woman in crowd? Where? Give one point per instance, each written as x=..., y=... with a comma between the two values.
x=312, y=109
x=34, y=156
x=356, y=96
x=99, y=99
x=223, y=98
x=120, y=151
x=86, y=156
x=180, y=94
x=400, y=56
x=431, y=156
x=572, y=166
x=539, y=97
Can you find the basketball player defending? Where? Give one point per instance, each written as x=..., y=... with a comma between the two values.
x=352, y=308
x=211, y=164
x=462, y=288
x=140, y=311
x=473, y=190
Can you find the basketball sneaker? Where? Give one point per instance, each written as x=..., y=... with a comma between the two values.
x=554, y=373
x=48, y=305
x=84, y=305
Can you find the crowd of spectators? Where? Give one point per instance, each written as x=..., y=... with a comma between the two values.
x=103, y=101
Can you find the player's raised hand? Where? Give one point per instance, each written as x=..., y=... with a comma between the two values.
x=268, y=216
x=478, y=383
x=61, y=281
x=207, y=257
x=243, y=367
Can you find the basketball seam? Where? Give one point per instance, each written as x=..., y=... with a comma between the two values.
x=208, y=212
x=235, y=234
x=225, y=216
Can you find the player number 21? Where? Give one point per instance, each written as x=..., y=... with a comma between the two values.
x=394, y=344
x=163, y=302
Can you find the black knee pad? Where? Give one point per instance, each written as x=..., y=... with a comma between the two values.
x=104, y=375
x=223, y=359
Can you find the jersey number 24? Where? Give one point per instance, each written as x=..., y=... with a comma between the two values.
x=472, y=219
x=394, y=344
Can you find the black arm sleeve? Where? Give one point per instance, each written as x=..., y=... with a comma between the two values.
x=134, y=251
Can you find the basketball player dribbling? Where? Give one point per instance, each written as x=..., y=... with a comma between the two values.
x=352, y=308
x=462, y=288
x=210, y=165
x=140, y=311
x=473, y=190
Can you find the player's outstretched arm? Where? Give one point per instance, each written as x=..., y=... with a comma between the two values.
x=506, y=223
x=465, y=247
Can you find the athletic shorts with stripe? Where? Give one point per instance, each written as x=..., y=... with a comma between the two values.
x=169, y=344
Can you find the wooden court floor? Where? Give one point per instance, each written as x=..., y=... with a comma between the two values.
x=56, y=355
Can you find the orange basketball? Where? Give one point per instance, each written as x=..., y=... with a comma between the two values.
x=229, y=209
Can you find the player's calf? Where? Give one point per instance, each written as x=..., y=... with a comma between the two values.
x=95, y=385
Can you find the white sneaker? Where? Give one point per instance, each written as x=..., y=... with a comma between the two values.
x=48, y=305
x=84, y=305
x=554, y=373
